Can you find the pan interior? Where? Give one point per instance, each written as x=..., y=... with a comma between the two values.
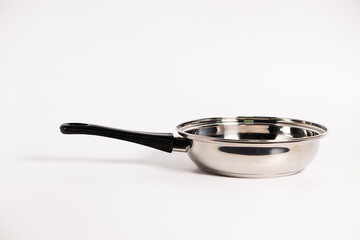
x=252, y=128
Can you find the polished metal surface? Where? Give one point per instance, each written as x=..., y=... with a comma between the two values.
x=252, y=147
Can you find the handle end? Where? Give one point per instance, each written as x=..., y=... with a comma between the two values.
x=68, y=128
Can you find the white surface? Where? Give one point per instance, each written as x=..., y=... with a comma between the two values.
x=149, y=65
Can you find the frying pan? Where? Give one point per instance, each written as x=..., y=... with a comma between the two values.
x=249, y=147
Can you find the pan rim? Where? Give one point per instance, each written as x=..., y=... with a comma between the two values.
x=247, y=120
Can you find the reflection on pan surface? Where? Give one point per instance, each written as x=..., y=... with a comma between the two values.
x=254, y=151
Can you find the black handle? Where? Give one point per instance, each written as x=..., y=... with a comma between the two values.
x=161, y=141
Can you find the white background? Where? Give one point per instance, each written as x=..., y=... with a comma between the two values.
x=150, y=65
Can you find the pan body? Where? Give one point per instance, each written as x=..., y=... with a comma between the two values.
x=252, y=147
x=252, y=160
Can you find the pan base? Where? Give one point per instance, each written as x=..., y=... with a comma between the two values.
x=245, y=175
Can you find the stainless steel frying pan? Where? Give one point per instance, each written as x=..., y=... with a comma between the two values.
x=250, y=147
